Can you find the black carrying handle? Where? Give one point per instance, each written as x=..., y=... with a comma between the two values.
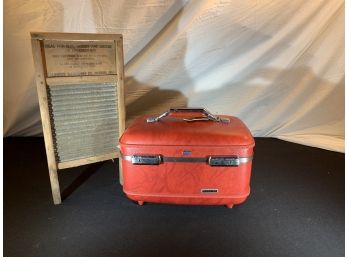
x=207, y=115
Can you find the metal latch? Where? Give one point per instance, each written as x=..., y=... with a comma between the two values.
x=224, y=161
x=146, y=159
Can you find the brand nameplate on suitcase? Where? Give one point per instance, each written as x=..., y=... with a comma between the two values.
x=209, y=190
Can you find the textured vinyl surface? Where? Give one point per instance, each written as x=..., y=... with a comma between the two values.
x=84, y=119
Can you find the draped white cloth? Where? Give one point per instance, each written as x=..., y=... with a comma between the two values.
x=278, y=65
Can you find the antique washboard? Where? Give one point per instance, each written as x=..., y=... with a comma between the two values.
x=79, y=80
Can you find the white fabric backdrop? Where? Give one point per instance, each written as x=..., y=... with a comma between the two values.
x=278, y=65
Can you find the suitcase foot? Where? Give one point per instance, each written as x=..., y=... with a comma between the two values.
x=230, y=206
x=141, y=203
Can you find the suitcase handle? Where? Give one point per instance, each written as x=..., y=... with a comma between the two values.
x=207, y=115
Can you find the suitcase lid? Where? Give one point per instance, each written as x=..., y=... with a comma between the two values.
x=188, y=128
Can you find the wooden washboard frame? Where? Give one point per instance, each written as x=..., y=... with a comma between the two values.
x=71, y=68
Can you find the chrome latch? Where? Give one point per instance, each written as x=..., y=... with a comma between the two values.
x=146, y=159
x=232, y=161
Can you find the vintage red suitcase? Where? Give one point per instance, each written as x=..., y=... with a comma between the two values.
x=187, y=156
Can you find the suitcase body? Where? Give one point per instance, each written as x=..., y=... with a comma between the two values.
x=187, y=156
